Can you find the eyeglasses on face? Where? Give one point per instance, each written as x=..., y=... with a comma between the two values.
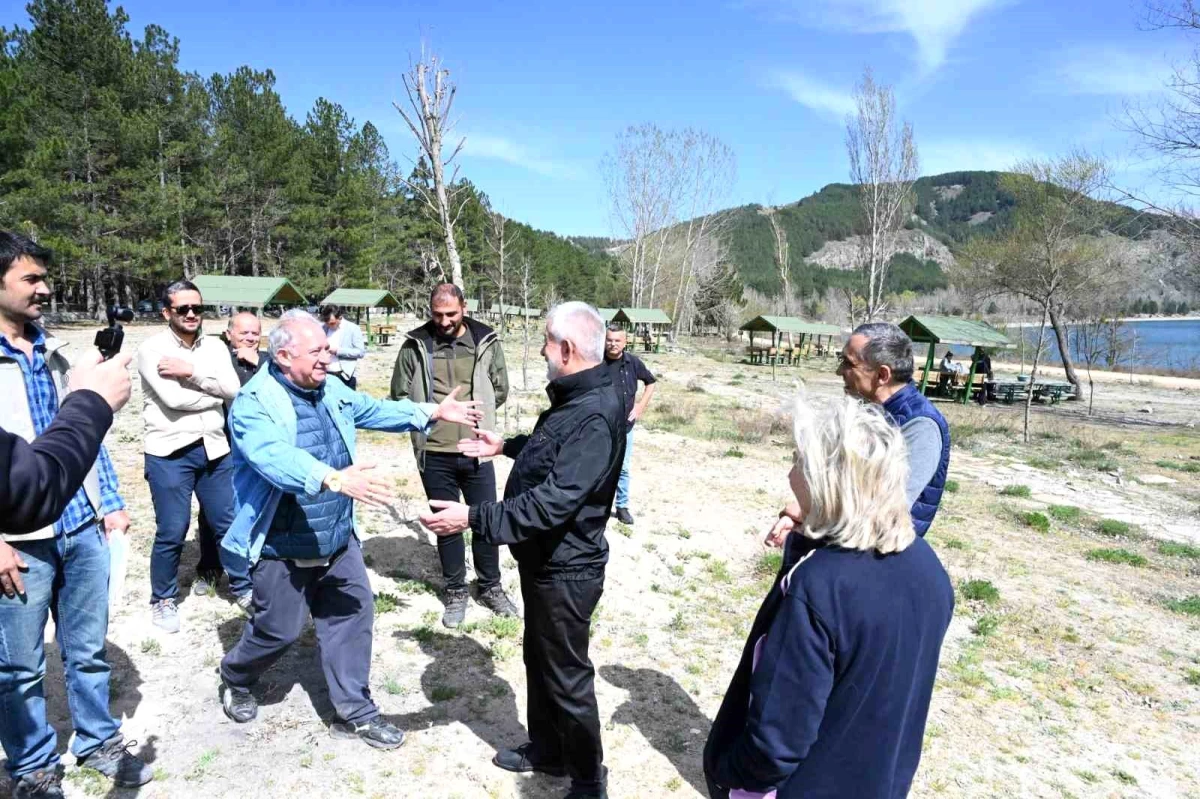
x=184, y=310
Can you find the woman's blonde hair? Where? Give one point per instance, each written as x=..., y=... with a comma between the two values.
x=854, y=462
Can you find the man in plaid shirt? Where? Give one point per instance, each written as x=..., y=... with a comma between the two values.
x=62, y=569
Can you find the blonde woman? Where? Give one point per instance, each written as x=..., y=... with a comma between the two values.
x=833, y=688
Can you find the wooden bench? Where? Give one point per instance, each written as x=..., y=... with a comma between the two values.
x=381, y=335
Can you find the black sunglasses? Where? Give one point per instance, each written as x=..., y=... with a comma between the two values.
x=184, y=310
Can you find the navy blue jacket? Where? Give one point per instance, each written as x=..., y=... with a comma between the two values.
x=837, y=705
x=909, y=403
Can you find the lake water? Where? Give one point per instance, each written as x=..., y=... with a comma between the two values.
x=1172, y=344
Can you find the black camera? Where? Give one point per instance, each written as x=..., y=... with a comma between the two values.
x=109, y=340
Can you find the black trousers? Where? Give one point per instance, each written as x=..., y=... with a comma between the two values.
x=449, y=475
x=342, y=605
x=564, y=722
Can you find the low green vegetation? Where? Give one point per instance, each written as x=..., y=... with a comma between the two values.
x=986, y=625
x=733, y=452
x=1191, y=467
x=1022, y=491
x=979, y=591
x=386, y=603
x=1189, y=605
x=769, y=563
x=1068, y=514
x=1116, y=556
x=1036, y=520
x=1114, y=527
x=1176, y=550
x=951, y=486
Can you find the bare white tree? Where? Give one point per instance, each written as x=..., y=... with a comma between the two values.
x=709, y=173
x=430, y=99
x=500, y=241
x=884, y=166
x=526, y=296
x=782, y=260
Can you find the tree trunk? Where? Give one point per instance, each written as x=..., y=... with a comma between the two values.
x=1064, y=349
x=1033, y=374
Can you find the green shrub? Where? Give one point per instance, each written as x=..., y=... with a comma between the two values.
x=1189, y=605
x=1192, y=676
x=443, y=693
x=733, y=452
x=1191, y=467
x=1041, y=462
x=979, y=591
x=1016, y=491
x=1037, y=520
x=386, y=603
x=769, y=563
x=951, y=486
x=1113, y=527
x=1117, y=556
x=1065, y=513
x=986, y=626
x=1177, y=550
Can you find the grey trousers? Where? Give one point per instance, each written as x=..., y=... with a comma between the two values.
x=342, y=605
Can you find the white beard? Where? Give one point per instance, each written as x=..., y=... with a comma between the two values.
x=552, y=370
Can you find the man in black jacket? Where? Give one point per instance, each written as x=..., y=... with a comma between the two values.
x=556, y=504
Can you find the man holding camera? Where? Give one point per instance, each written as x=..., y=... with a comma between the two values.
x=186, y=379
x=61, y=569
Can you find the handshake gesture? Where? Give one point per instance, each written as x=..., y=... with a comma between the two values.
x=448, y=518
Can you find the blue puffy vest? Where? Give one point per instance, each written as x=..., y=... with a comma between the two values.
x=909, y=403
x=307, y=527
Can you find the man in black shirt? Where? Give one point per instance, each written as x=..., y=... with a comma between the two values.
x=242, y=337
x=555, y=508
x=625, y=370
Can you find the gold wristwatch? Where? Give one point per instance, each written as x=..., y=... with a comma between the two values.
x=334, y=482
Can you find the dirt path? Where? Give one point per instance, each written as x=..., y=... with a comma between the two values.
x=1080, y=689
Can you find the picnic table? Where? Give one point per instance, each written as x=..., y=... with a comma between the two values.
x=380, y=334
x=1051, y=390
x=1009, y=391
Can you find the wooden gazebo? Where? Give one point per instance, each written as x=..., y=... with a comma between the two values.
x=247, y=292
x=652, y=320
x=361, y=299
x=936, y=330
x=813, y=333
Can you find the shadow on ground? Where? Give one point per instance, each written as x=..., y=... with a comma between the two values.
x=666, y=716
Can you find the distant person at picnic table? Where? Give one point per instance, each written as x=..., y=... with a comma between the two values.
x=876, y=366
x=983, y=366
x=345, y=343
x=832, y=692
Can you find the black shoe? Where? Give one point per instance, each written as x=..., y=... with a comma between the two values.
x=238, y=703
x=456, y=608
x=519, y=760
x=376, y=732
x=114, y=760
x=588, y=793
x=624, y=516
x=495, y=600
x=44, y=784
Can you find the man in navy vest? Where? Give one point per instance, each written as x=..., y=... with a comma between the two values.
x=876, y=365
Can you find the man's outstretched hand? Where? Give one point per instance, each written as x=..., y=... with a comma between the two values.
x=452, y=409
x=448, y=518
x=485, y=444
x=360, y=483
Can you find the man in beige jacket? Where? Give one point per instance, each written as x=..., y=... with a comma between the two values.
x=186, y=379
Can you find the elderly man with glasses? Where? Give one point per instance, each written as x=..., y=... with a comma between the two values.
x=186, y=379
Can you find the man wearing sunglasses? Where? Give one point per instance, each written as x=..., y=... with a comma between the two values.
x=186, y=379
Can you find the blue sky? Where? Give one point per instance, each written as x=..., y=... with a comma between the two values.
x=544, y=87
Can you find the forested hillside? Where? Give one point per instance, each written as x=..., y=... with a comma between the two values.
x=950, y=208
x=136, y=173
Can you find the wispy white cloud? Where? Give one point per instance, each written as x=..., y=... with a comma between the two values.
x=933, y=25
x=953, y=155
x=812, y=93
x=499, y=148
x=1109, y=71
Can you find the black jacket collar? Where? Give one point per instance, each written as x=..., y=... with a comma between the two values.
x=562, y=390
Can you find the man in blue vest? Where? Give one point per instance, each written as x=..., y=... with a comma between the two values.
x=876, y=365
x=295, y=483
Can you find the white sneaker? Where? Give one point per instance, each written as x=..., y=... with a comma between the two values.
x=165, y=615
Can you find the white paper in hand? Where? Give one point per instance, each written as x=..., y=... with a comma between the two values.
x=118, y=552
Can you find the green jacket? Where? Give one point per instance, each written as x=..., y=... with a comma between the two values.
x=413, y=376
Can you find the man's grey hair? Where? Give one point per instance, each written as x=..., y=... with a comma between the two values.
x=285, y=332
x=887, y=345
x=582, y=325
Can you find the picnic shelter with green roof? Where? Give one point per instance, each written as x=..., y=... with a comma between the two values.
x=649, y=320
x=935, y=330
x=360, y=299
x=817, y=334
x=247, y=292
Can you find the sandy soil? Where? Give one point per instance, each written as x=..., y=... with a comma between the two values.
x=1077, y=680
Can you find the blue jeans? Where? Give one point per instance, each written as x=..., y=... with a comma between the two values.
x=623, y=482
x=172, y=481
x=67, y=576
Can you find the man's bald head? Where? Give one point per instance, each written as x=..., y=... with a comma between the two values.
x=244, y=331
